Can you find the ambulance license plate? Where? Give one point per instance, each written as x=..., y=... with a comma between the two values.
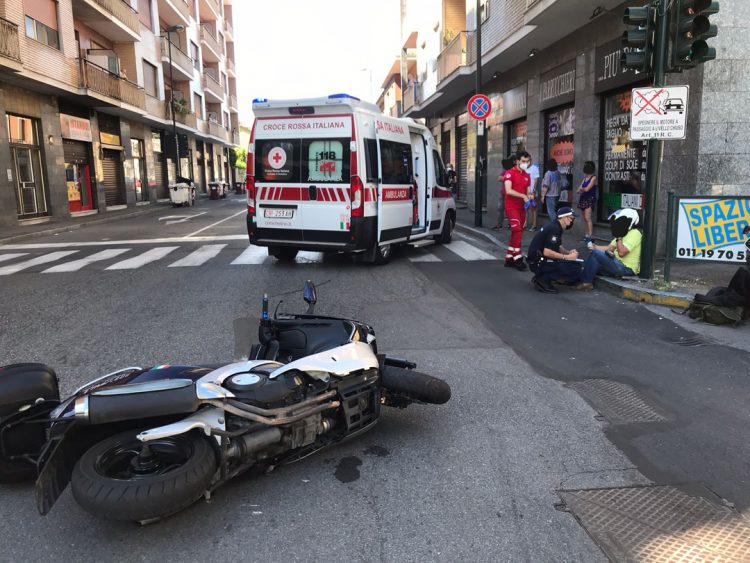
x=278, y=213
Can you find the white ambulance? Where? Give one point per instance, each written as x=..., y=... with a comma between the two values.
x=335, y=175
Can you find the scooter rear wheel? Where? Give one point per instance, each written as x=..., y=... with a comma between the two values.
x=115, y=480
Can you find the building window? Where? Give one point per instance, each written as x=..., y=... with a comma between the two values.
x=195, y=55
x=42, y=33
x=484, y=10
x=144, y=13
x=198, y=105
x=226, y=120
x=150, y=79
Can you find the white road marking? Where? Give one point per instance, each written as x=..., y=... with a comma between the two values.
x=199, y=257
x=252, y=255
x=424, y=256
x=5, y=257
x=4, y=271
x=137, y=261
x=181, y=218
x=468, y=252
x=214, y=224
x=165, y=240
x=76, y=265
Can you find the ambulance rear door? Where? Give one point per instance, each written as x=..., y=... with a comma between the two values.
x=419, y=166
x=395, y=201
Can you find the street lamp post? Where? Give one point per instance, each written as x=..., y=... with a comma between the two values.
x=173, y=29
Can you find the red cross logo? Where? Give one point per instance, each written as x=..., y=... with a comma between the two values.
x=277, y=158
x=648, y=102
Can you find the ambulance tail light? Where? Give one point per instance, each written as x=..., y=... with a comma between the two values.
x=356, y=191
x=250, y=190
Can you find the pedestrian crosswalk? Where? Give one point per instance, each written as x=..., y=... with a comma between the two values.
x=191, y=256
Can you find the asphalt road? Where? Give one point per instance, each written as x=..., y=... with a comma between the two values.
x=474, y=479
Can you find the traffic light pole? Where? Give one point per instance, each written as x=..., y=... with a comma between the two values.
x=481, y=145
x=655, y=147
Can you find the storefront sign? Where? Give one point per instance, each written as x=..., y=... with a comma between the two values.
x=658, y=112
x=710, y=228
x=558, y=86
x=610, y=74
x=514, y=103
x=75, y=128
x=109, y=138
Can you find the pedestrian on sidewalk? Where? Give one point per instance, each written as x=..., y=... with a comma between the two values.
x=507, y=164
x=587, y=200
x=533, y=209
x=622, y=257
x=452, y=180
x=551, y=184
x=516, y=182
x=549, y=260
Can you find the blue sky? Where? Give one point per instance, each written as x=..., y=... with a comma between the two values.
x=307, y=48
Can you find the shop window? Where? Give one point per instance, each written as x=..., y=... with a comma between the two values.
x=518, y=131
x=42, y=33
x=560, y=129
x=150, y=79
x=623, y=166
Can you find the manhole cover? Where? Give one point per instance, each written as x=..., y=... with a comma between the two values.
x=618, y=402
x=659, y=524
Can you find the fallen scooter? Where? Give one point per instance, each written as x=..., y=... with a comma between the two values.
x=142, y=444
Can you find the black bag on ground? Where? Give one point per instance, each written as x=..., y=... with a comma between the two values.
x=724, y=305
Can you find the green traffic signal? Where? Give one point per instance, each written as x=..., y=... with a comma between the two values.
x=690, y=30
x=637, y=44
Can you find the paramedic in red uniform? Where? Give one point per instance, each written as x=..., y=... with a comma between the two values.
x=516, y=182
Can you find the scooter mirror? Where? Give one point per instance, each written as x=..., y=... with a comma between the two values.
x=309, y=293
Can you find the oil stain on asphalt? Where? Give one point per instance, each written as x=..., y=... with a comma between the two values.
x=347, y=470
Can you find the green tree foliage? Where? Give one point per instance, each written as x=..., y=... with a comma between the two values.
x=238, y=157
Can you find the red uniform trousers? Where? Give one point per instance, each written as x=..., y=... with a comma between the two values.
x=516, y=215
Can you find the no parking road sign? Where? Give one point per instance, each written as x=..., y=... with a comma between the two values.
x=658, y=112
x=479, y=107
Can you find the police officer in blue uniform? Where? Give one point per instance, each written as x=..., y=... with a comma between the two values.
x=549, y=260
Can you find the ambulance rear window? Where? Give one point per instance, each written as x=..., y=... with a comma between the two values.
x=295, y=161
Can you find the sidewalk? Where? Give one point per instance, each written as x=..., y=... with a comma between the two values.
x=686, y=279
x=57, y=225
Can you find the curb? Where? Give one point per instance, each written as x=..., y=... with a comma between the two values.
x=634, y=292
x=75, y=226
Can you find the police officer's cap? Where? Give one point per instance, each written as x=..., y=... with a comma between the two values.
x=566, y=212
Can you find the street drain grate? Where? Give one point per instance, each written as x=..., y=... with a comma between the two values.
x=618, y=402
x=659, y=524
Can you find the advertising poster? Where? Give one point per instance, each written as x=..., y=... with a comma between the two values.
x=711, y=228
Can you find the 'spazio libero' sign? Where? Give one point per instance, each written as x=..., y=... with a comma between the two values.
x=710, y=228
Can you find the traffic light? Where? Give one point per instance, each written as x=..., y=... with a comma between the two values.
x=690, y=29
x=638, y=43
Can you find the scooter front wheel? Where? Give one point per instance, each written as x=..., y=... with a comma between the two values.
x=415, y=386
x=121, y=478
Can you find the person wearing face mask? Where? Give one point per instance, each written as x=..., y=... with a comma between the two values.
x=549, y=260
x=516, y=182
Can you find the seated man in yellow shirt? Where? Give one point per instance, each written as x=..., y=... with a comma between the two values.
x=622, y=257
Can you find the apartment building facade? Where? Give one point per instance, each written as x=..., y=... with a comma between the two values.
x=86, y=110
x=551, y=69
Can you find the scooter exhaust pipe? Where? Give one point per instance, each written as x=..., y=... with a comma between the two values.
x=250, y=444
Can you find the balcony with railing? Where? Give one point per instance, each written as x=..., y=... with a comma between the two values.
x=10, y=50
x=459, y=52
x=209, y=10
x=114, y=19
x=181, y=115
x=102, y=83
x=174, y=12
x=411, y=96
x=212, y=88
x=211, y=48
x=216, y=129
x=182, y=64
